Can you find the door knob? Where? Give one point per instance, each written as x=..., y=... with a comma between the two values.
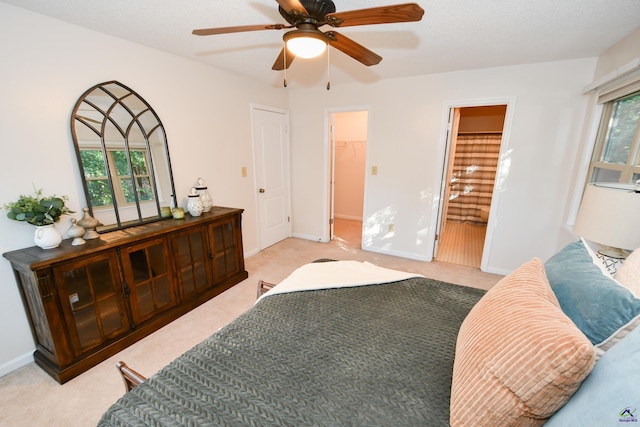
x=261, y=190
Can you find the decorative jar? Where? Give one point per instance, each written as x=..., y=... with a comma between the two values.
x=205, y=197
x=194, y=205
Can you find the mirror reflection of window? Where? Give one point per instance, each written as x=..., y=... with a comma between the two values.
x=95, y=175
x=123, y=156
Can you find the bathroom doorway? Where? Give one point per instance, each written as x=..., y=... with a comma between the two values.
x=468, y=179
x=348, y=164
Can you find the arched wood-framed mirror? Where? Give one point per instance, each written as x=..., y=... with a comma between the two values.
x=123, y=157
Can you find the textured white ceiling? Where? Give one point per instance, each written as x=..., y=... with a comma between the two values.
x=453, y=34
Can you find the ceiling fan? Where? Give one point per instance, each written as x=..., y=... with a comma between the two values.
x=307, y=16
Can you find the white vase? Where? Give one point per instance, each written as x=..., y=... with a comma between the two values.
x=205, y=197
x=47, y=236
x=194, y=205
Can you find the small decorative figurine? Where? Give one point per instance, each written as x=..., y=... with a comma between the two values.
x=205, y=197
x=76, y=232
x=89, y=223
x=194, y=205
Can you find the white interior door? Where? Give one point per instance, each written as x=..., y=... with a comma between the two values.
x=271, y=157
x=332, y=182
x=452, y=132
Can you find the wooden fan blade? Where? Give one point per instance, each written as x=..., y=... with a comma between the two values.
x=238, y=29
x=279, y=65
x=291, y=5
x=408, y=12
x=353, y=49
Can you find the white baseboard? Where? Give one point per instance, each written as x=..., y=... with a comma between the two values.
x=256, y=251
x=251, y=253
x=498, y=271
x=16, y=363
x=308, y=237
x=397, y=253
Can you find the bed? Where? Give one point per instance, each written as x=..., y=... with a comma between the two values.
x=386, y=348
x=379, y=354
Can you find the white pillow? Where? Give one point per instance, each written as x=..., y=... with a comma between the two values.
x=629, y=274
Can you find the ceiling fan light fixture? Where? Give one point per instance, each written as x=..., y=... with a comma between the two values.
x=305, y=44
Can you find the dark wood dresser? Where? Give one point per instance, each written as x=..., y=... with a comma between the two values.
x=86, y=303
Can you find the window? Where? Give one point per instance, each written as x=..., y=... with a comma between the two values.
x=98, y=182
x=616, y=156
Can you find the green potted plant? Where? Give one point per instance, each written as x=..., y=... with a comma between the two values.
x=43, y=212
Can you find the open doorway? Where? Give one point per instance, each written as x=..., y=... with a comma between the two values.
x=348, y=164
x=469, y=177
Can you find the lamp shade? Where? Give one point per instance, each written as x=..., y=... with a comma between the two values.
x=305, y=44
x=610, y=215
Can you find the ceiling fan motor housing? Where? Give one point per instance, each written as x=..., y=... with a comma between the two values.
x=317, y=9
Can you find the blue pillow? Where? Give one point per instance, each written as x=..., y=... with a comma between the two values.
x=610, y=395
x=601, y=308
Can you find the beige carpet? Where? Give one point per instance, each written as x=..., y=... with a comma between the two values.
x=29, y=397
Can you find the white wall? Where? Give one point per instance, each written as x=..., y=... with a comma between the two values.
x=46, y=66
x=405, y=141
x=618, y=55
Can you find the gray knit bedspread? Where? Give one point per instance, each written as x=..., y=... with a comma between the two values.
x=378, y=355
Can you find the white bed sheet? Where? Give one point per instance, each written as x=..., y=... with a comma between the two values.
x=337, y=274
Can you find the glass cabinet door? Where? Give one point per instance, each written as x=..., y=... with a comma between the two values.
x=96, y=310
x=224, y=257
x=191, y=260
x=147, y=279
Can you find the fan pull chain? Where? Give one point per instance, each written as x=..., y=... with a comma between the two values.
x=328, y=69
x=285, y=63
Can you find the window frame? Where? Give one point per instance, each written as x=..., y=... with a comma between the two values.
x=630, y=170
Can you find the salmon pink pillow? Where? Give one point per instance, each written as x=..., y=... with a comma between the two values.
x=518, y=358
